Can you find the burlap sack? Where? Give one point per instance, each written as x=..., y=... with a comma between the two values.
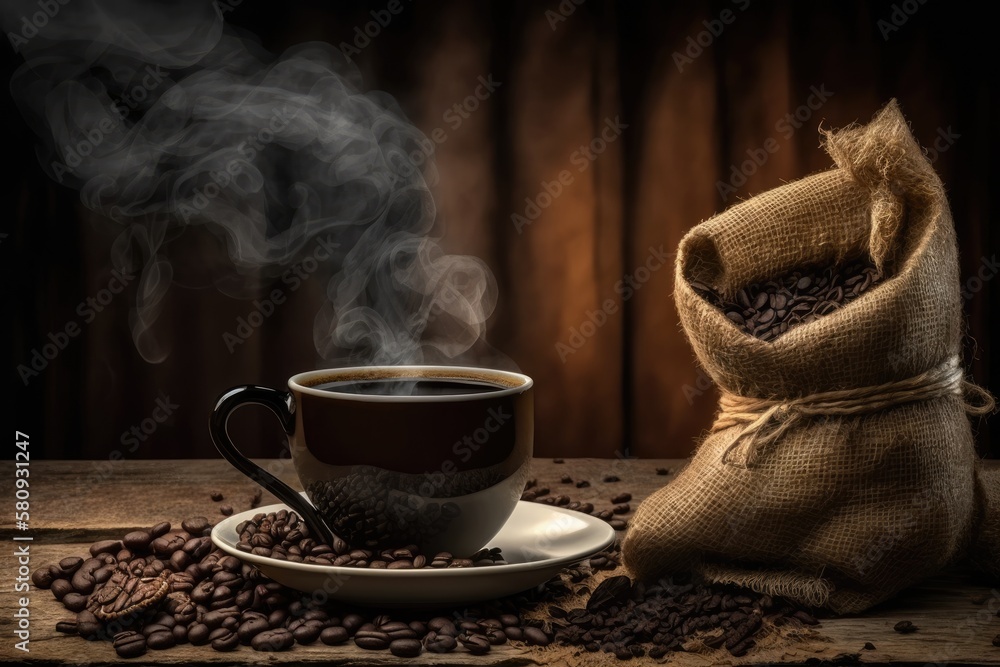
x=985, y=554
x=838, y=510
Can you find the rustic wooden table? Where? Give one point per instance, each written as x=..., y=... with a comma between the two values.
x=73, y=504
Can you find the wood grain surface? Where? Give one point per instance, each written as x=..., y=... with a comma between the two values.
x=73, y=503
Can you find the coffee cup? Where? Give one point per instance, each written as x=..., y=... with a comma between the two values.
x=389, y=456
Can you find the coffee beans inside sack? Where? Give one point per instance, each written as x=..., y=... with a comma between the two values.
x=841, y=465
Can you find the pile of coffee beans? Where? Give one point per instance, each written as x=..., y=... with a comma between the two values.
x=768, y=309
x=632, y=619
x=542, y=494
x=284, y=536
x=160, y=587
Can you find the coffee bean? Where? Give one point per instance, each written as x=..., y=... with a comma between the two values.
x=129, y=644
x=565, y=479
x=226, y=510
x=621, y=498
x=624, y=508
x=196, y=526
x=227, y=640
x=252, y=627
x=66, y=627
x=159, y=529
x=61, y=588
x=582, y=484
x=70, y=564
x=105, y=547
x=536, y=637
x=87, y=625
x=996, y=641
x=476, y=644
x=558, y=461
x=438, y=643
x=371, y=640
x=333, y=635
x=198, y=634
x=216, y=496
x=42, y=577
x=273, y=640
x=137, y=540
x=405, y=648
x=904, y=627
x=75, y=601
x=160, y=640
x=869, y=646
x=308, y=632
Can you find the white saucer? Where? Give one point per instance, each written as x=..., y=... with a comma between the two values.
x=537, y=542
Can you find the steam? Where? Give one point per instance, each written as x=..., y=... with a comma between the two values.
x=165, y=119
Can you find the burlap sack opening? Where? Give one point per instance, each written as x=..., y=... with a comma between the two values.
x=839, y=511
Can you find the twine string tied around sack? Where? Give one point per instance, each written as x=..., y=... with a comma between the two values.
x=764, y=421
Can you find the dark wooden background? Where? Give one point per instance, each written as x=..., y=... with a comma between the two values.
x=634, y=386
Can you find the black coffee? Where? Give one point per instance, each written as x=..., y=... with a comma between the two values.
x=409, y=387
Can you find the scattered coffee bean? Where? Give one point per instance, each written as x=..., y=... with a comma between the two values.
x=904, y=627
x=159, y=529
x=405, y=648
x=565, y=479
x=217, y=496
x=196, y=526
x=226, y=641
x=621, y=498
x=624, y=508
x=582, y=484
x=42, y=577
x=869, y=646
x=66, y=627
x=129, y=644
x=611, y=478
x=160, y=640
x=663, y=471
x=278, y=639
x=226, y=510
x=558, y=461
x=996, y=641
x=106, y=547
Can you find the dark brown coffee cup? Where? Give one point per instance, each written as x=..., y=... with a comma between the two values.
x=389, y=456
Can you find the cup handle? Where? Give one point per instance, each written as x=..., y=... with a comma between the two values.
x=283, y=407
